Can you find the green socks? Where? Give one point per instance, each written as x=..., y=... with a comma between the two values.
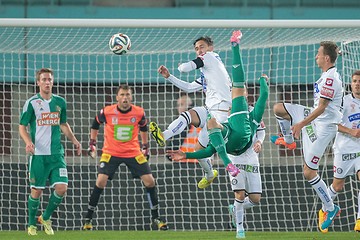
x=33, y=206
x=238, y=74
x=54, y=202
x=218, y=143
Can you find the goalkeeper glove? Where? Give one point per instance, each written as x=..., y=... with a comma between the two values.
x=92, y=148
x=145, y=149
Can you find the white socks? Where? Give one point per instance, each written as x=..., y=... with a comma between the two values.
x=322, y=191
x=285, y=127
x=239, y=214
x=205, y=163
x=178, y=125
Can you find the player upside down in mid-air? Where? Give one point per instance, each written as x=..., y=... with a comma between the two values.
x=235, y=136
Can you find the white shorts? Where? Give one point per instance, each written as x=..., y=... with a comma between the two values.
x=315, y=136
x=220, y=115
x=346, y=164
x=249, y=178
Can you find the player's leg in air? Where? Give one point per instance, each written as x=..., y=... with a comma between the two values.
x=205, y=163
x=239, y=107
x=284, y=120
x=176, y=127
x=197, y=117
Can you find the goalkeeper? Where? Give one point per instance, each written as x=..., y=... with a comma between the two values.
x=235, y=136
x=123, y=121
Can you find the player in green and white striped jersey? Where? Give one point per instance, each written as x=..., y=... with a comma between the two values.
x=45, y=114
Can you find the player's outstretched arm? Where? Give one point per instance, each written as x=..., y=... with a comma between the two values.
x=176, y=155
x=183, y=85
x=164, y=71
x=188, y=66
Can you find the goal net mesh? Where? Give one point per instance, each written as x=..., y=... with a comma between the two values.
x=87, y=75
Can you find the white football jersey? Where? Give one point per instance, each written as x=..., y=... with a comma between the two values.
x=329, y=86
x=215, y=80
x=249, y=157
x=344, y=143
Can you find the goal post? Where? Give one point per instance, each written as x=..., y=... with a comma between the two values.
x=87, y=74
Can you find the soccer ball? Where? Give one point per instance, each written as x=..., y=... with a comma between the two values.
x=119, y=43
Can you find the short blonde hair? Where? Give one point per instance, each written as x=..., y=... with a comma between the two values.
x=43, y=70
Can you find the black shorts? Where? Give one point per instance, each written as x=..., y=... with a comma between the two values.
x=138, y=166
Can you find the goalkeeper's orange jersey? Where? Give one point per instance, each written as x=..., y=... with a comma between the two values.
x=121, y=131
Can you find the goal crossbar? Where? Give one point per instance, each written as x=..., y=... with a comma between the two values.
x=174, y=23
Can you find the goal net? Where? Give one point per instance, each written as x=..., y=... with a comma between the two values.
x=87, y=75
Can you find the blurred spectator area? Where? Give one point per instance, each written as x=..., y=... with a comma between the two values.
x=189, y=3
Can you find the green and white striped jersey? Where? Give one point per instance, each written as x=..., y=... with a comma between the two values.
x=44, y=118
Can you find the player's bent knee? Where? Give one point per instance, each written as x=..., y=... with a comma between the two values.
x=255, y=198
x=338, y=185
x=148, y=180
x=212, y=123
x=61, y=189
x=279, y=110
x=240, y=195
x=36, y=193
x=309, y=173
x=194, y=118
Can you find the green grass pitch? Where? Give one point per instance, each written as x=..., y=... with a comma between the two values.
x=174, y=235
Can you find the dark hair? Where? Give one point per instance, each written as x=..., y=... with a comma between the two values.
x=330, y=49
x=357, y=73
x=43, y=70
x=124, y=87
x=206, y=39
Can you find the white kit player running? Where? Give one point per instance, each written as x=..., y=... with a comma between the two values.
x=347, y=143
x=247, y=181
x=216, y=84
x=318, y=126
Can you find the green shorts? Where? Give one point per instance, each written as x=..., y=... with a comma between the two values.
x=44, y=167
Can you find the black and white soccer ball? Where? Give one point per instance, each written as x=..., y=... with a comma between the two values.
x=120, y=43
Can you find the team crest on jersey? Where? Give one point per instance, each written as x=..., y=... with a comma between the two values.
x=352, y=107
x=327, y=92
x=58, y=108
x=234, y=181
x=329, y=82
x=39, y=104
x=114, y=120
x=307, y=111
x=133, y=119
x=338, y=170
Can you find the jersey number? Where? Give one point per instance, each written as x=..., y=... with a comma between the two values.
x=123, y=133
